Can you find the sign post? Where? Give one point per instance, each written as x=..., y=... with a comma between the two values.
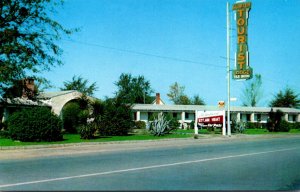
x=195, y=124
x=228, y=71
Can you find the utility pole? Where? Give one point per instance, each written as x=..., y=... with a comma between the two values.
x=228, y=71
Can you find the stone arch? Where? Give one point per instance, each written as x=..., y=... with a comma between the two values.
x=60, y=101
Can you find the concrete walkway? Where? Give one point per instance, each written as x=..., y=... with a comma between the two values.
x=37, y=151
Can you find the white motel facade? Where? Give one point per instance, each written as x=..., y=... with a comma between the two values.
x=186, y=113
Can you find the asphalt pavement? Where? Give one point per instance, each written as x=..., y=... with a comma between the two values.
x=209, y=163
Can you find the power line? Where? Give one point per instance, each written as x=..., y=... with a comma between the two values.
x=146, y=54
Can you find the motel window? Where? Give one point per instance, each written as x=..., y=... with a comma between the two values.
x=135, y=116
x=292, y=118
x=175, y=115
x=149, y=115
x=187, y=115
x=248, y=117
x=258, y=117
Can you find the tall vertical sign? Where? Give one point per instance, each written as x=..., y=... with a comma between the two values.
x=242, y=70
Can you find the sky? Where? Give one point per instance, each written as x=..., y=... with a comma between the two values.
x=181, y=41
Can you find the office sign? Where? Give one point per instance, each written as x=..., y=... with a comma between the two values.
x=242, y=68
x=214, y=119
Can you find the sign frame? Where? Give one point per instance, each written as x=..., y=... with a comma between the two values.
x=210, y=119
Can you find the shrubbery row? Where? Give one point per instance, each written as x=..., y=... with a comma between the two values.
x=34, y=124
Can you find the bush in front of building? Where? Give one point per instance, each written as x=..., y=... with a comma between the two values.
x=116, y=118
x=274, y=121
x=70, y=118
x=161, y=125
x=295, y=125
x=284, y=126
x=140, y=125
x=173, y=122
x=3, y=130
x=87, y=131
x=256, y=125
x=74, y=115
x=35, y=124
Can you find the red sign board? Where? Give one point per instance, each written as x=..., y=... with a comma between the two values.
x=213, y=119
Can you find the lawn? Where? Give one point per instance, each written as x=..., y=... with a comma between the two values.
x=265, y=131
x=75, y=138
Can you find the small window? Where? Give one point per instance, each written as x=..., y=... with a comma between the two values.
x=135, y=116
x=174, y=115
x=187, y=115
x=258, y=117
x=248, y=117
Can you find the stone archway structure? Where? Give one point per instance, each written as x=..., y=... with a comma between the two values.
x=59, y=99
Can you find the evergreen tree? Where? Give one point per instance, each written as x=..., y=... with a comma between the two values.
x=286, y=98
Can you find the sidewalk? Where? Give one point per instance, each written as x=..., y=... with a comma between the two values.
x=36, y=151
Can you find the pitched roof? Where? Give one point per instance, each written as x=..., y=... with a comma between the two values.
x=24, y=102
x=192, y=108
x=49, y=95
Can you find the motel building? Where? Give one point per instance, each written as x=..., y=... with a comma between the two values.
x=186, y=113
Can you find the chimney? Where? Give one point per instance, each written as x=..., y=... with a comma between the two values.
x=28, y=88
x=157, y=98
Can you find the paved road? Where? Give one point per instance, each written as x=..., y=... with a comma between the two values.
x=244, y=164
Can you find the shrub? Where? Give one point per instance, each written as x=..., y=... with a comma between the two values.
x=116, y=118
x=140, y=124
x=295, y=125
x=3, y=130
x=284, y=126
x=173, y=122
x=250, y=125
x=274, y=121
x=4, y=134
x=192, y=125
x=74, y=115
x=70, y=118
x=160, y=125
x=35, y=124
x=87, y=131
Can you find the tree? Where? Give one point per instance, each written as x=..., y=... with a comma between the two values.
x=252, y=93
x=81, y=85
x=184, y=100
x=286, y=98
x=133, y=89
x=176, y=93
x=197, y=100
x=116, y=118
x=28, y=39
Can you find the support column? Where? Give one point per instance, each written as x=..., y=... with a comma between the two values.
x=138, y=115
x=195, y=124
x=5, y=114
x=182, y=119
x=252, y=117
x=286, y=117
x=238, y=117
x=298, y=118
